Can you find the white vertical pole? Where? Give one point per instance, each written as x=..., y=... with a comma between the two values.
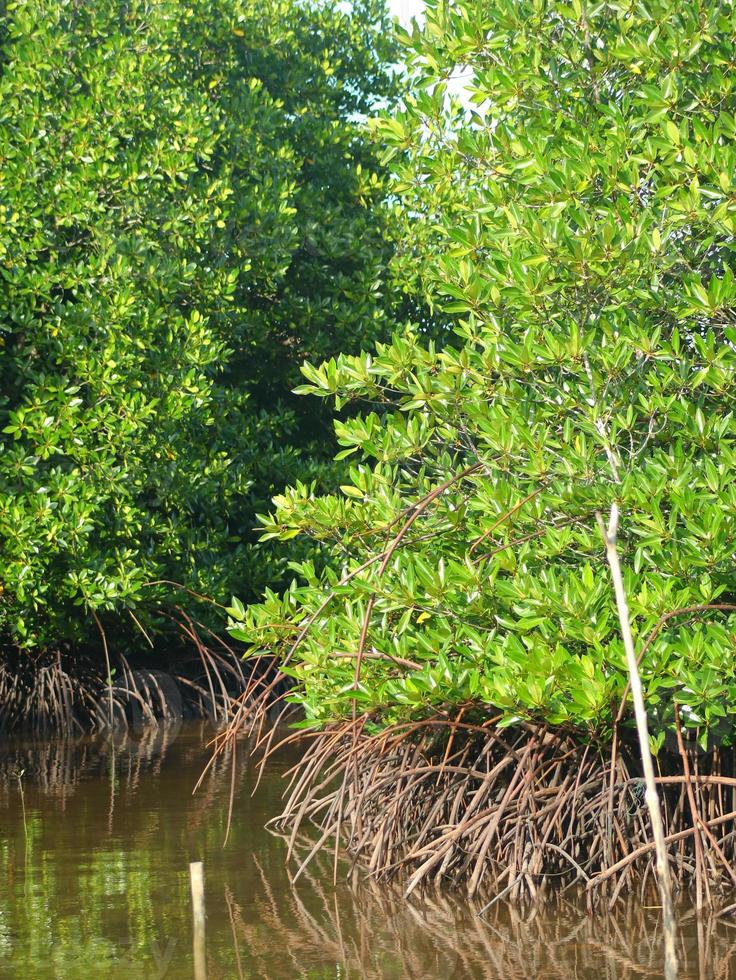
x=196, y=877
x=652, y=797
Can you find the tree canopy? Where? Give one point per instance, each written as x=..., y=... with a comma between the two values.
x=574, y=212
x=189, y=206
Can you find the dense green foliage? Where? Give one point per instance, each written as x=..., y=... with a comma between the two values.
x=575, y=212
x=189, y=207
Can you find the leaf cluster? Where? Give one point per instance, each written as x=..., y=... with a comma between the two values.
x=569, y=173
x=189, y=207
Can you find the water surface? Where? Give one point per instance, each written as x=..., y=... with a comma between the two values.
x=96, y=838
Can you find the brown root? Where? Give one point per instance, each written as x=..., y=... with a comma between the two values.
x=198, y=676
x=509, y=813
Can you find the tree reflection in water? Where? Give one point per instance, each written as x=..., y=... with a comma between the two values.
x=95, y=885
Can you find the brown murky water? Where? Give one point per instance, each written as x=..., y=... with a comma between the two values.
x=94, y=883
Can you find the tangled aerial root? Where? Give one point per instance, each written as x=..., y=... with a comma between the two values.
x=68, y=690
x=509, y=812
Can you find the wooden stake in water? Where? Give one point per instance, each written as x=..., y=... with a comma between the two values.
x=20, y=774
x=652, y=797
x=196, y=878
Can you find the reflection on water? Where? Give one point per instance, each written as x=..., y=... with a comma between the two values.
x=95, y=846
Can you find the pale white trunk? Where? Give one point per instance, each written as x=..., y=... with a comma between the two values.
x=652, y=797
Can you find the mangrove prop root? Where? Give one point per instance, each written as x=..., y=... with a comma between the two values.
x=516, y=811
x=69, y=690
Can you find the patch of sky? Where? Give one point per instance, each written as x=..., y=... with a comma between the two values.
x=406, y=9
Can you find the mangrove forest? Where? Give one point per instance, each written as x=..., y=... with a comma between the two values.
x=367, y=403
